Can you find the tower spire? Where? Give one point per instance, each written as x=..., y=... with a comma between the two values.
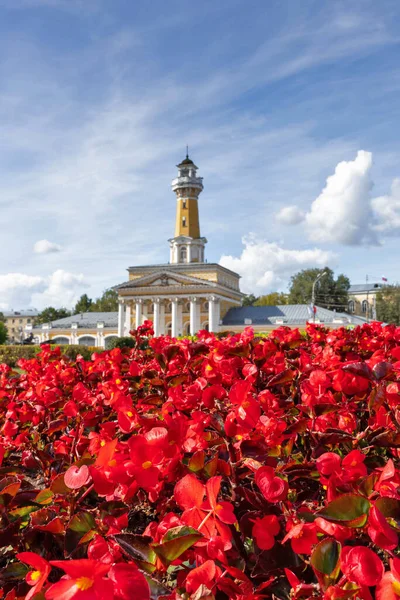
x=187, y=151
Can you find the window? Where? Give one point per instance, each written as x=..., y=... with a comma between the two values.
x=13, y=321
x=20, y=320
x=28, y=321
x=184, y=204
x=351, y=306
x=183, y=254
x=183, y=221
x=364, y=306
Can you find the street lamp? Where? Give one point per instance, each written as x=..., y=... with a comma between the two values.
x=313, y=291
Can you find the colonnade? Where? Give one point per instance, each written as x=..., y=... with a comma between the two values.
x=157, y=309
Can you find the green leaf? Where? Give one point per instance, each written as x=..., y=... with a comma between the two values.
x=390, y=508
x=58, y=486
x=82, y=522
x=137, y=547
x=176, y=541
x=325, y=556
x=350, y=508
x=44, y=497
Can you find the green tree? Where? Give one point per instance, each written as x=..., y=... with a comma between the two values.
x=50, y=314
x=108, y=302
x=330, y=293
x=2, y=318
x=3, y=333
x=388, y=304
x=272, y=299
x=249, y=300
x=83, y=305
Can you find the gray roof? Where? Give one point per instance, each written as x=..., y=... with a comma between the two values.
x=359, y=288
x=290, y=314
x=26, y=312
x=86, y=320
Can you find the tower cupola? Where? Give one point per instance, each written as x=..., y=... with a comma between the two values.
x=187, y=245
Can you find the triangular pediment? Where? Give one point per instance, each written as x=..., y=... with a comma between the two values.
x=166, y=279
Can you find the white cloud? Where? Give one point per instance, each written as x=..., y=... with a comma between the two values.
x=290, y=215
x=387, y=211
x=18, y=290
x=45, y=247
x=342, y=212
x=266, y=266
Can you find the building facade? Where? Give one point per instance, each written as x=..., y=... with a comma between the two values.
x=362, y=299
x=86, y=329
x=187, y=294
x=19, y=323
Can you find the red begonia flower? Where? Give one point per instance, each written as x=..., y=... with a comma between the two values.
x=264, y=531
x=84, y=580
x=128, y=580
x=272, y=487
x=38, y=577
x=328, y=463
x=203, y=575
x=76, y=477
x=303, y=537
x=380, y=531
x=361, y=565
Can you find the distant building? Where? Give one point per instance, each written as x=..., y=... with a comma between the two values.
x=267, y=318
x=86, y=329
x=19, y=323
x=362, y=299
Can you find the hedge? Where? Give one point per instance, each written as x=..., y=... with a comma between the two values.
x=10, y=355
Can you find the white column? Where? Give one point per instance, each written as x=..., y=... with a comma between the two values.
x=127, y=327
x=189, y=253
x=145, y=310
x=213, y=314
x=180, y=318
x=194, y=316
x=156, y=317
x=174, y=314
x=121, y=319
x=138, y=315
x=162, y=318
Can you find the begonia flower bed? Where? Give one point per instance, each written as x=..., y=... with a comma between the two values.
x=229, y=467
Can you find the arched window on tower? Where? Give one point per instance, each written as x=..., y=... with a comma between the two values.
x=183, y=254
x=183, y=221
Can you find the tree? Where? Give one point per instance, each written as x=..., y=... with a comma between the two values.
x=50, y=314
x=83, y=305
x=272, y=299
x=388, y=304
x=3, y=333
x=108, y=302
x=330, y=293
x=2, y=318
x=249, y=300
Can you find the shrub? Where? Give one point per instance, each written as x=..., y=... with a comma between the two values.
x=10, y=355
x=122, y=342
x=227, y=468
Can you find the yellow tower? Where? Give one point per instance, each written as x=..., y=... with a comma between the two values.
x=187, y=246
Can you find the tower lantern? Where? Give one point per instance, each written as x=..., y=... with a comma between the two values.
x=187, y=246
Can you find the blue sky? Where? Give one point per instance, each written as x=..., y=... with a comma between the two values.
x=291, y=111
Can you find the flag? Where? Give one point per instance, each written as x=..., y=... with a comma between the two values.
x=384, y=278
x=312, y=309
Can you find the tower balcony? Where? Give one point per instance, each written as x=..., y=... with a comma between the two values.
x=184, y=182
